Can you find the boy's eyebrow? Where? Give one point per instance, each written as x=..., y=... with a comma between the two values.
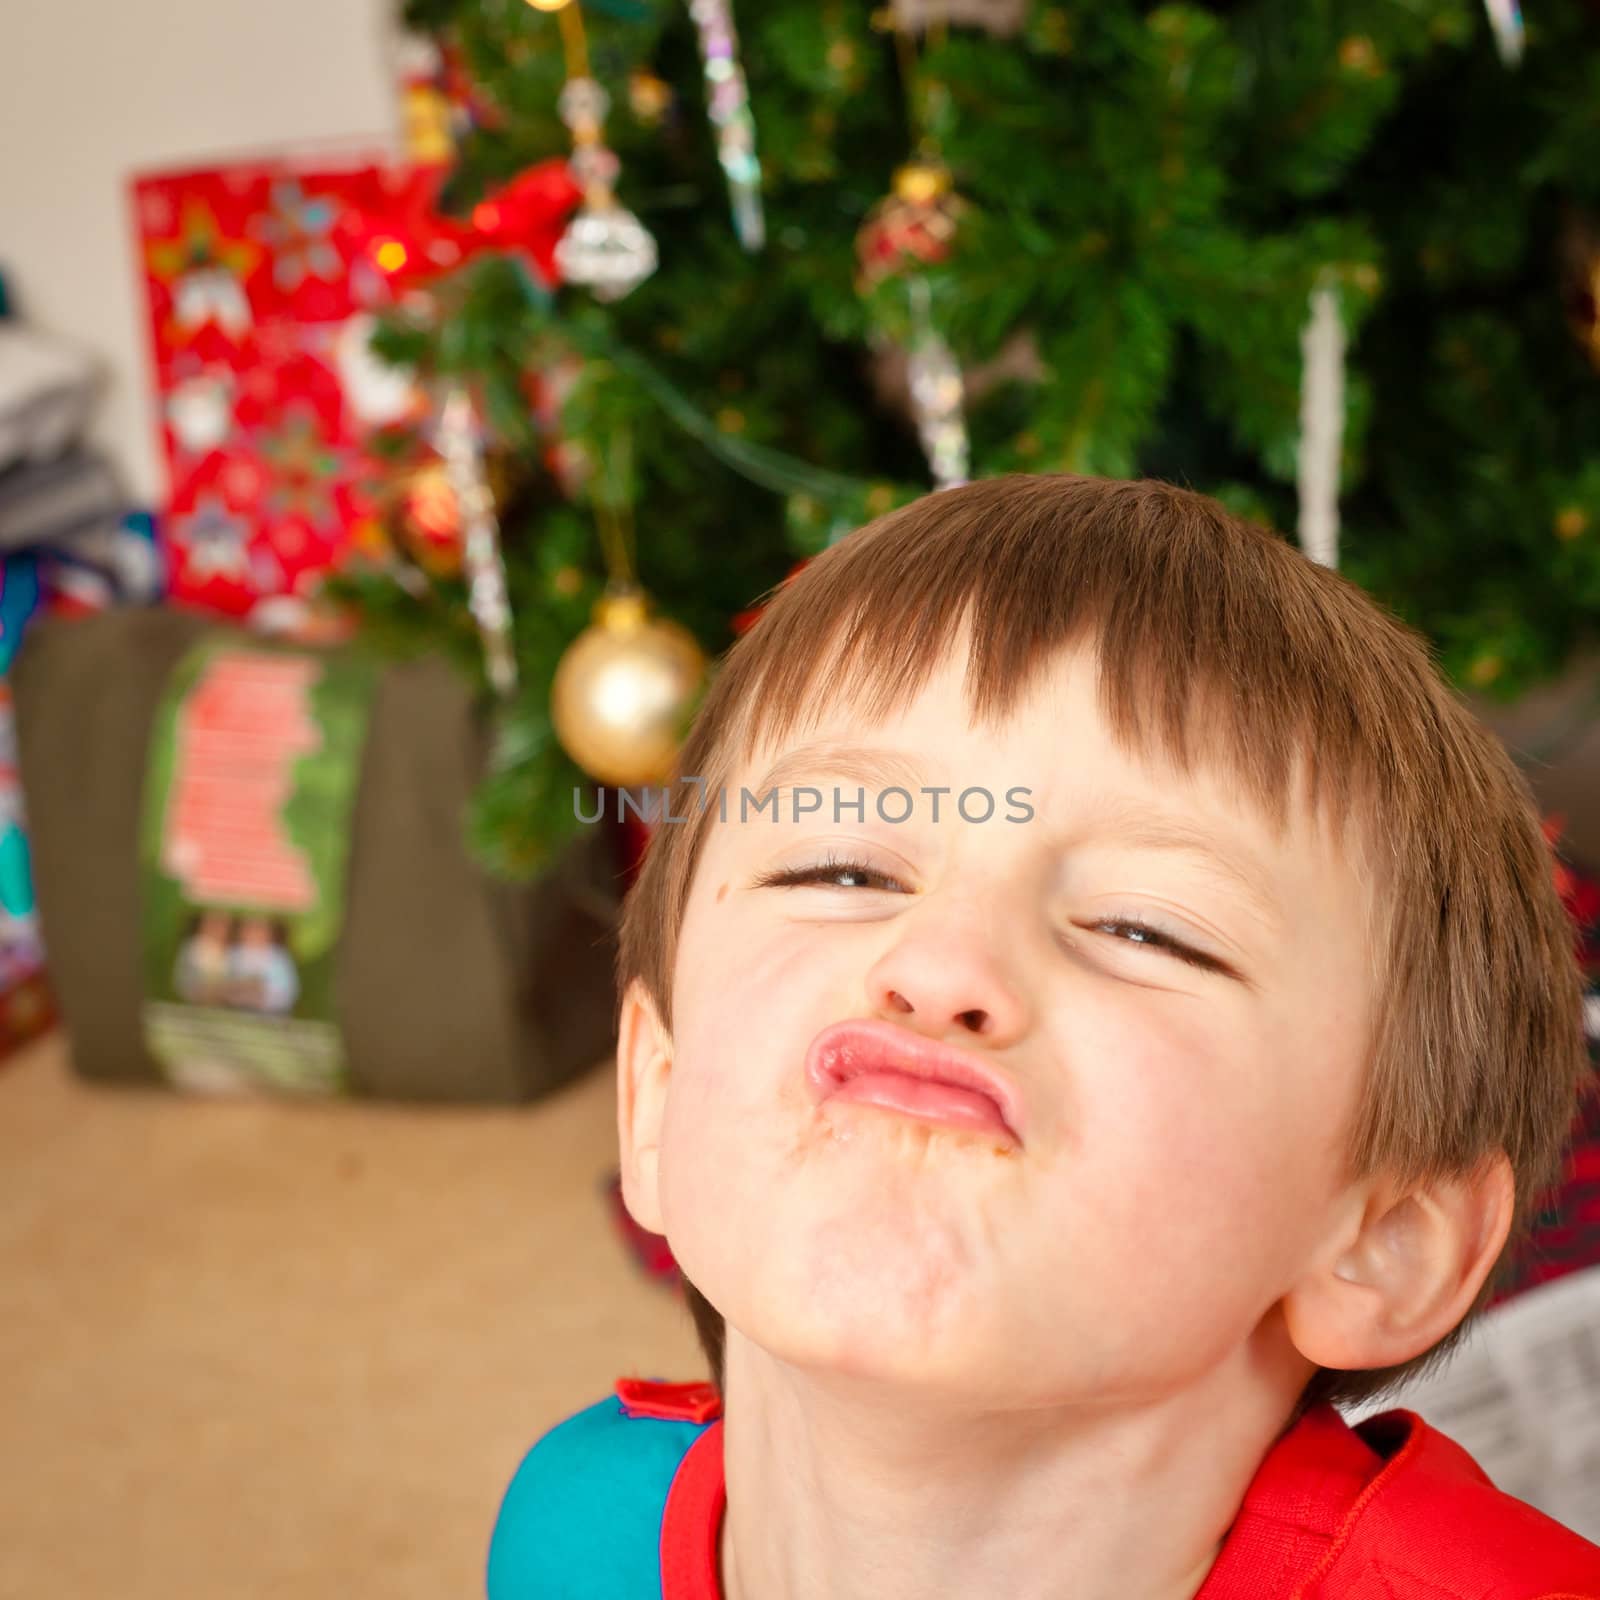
x=1120, y=819
x=870, y=765
x=1125, y=820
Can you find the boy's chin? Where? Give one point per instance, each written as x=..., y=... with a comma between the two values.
x=891, y=1347
x=923, y=1383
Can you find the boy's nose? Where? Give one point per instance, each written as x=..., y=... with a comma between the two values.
x=938, y=984
x=974, y=1018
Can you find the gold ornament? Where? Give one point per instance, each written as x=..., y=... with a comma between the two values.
x=426, y=115
x=422, y=511
x=914, y=226
x=921, y=182
x=430, y=503
x=1359, y=54
x=1570, y=522
x=624, y=689
x=649, y=97
x=428, y=524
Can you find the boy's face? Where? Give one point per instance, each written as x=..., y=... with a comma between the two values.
x=1183, y=1127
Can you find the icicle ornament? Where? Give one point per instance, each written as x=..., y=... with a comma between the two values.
x=728, y=102
x=1505, y=16
x=1322, y=349
x=937, y=395
x=487, y=596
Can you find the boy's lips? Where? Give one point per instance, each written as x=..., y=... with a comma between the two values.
x=889, y=1055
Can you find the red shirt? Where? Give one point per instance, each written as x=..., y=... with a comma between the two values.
x=1391, y=1509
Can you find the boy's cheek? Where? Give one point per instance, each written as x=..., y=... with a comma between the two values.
x=767, y=992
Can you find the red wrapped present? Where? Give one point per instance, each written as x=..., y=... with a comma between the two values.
x=264, y=282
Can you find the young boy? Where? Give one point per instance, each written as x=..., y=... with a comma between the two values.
x=1145, y=1018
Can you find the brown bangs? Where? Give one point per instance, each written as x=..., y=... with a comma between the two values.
x=1218, y=644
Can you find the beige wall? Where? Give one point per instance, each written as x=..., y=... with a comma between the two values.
x=91, y=90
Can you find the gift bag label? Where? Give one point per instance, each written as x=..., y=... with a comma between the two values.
x=249, y=794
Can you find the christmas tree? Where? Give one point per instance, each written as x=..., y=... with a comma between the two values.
x=1324, y=259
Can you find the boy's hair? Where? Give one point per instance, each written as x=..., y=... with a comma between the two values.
x=1204, y=624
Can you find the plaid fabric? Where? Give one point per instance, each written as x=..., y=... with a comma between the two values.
x=1566, y=1235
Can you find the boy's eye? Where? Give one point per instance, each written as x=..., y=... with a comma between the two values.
x=1154, y=937
x=830, y=872
x=848, y=874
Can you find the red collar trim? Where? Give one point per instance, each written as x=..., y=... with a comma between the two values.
x=691, y=1524
x=1299, y=1509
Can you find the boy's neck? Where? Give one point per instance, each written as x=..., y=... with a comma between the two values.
x=832, y=1489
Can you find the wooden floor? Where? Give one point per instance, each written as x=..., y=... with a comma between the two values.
x=253, y=1350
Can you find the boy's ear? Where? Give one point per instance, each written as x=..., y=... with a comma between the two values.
x=644, y=1065
x=1405, y=1271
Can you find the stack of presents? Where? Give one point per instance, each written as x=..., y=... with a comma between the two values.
x=261, y=288
x=71, y=542
x=207, y=924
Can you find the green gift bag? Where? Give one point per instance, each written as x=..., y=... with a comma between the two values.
x=250, y=872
